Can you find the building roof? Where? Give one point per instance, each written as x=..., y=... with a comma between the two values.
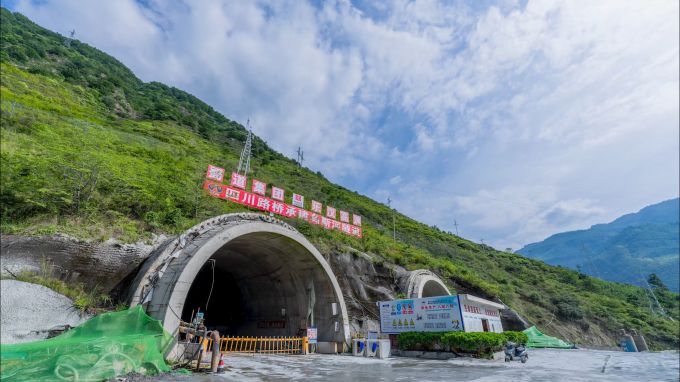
x=482, y=301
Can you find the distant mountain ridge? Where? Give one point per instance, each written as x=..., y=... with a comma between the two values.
x=626, y=250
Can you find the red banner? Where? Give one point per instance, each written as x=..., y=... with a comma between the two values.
x=277, y=207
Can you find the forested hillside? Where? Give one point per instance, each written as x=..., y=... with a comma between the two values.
x=91, y=151
x=628, y=249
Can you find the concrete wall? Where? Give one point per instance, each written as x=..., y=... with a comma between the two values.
x=473, y=314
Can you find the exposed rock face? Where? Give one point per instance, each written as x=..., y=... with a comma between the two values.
x=101, y=265
x=364, y=280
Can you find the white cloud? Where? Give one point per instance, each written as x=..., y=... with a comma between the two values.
x=517, y=120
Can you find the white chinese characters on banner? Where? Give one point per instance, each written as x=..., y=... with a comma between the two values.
x=215, y=173
x=356, y=220
x=330, y=212
x=259, y=187
x=277, y=193
x=344, y=216
x=238, y=180
x=298, y=200
x=316, y=206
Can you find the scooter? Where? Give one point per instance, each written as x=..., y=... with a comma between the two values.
x=514, y=352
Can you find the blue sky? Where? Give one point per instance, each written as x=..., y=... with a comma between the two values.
x=516, y=119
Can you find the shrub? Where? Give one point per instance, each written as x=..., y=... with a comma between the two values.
x=420, y=341
x=482, y=344
x=516, y=337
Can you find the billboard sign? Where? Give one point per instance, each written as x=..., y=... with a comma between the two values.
x=238, y=180
x=298, y=200
x=428, y=314
x=215, y=173
x=259, y=187
x=277, y=193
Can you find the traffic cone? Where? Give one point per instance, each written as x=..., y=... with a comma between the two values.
x=220, y=366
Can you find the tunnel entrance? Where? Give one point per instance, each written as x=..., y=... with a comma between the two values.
x=251, y=276
x=434, y=289
x=264, y=284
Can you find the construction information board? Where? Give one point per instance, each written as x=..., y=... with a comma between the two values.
x=311, y=335
x=429, y=314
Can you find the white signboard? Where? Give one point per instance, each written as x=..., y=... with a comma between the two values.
x=429, y=314
x=311, y=335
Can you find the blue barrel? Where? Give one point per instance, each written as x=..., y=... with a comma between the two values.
x=628, y=344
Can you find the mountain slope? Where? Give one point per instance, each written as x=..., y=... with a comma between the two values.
x=626, y=250
x=89, y=150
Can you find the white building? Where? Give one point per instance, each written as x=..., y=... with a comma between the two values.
x=480, y=315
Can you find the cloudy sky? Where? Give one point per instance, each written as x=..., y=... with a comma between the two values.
x=515, y=119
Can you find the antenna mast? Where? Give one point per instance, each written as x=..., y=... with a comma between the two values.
x=67, y=41
x=394, y=224
x=245, y=154
x=300, y=156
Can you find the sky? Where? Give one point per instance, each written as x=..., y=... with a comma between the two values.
x=514, y=119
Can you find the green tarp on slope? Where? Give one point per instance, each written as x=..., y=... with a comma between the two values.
x=540, y=340
x=105, y=346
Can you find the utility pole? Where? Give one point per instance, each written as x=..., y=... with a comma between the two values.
x=455, y=224
x=394, y=225
x=244, y=160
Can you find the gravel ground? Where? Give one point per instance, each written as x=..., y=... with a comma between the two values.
x=28, y=310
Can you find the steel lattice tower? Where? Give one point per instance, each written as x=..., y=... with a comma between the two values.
x=244, y=161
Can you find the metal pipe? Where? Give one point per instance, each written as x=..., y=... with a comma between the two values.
x=214, y=362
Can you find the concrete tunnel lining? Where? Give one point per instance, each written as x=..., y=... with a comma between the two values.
x=278, y=252
x=270, y=277
x=423, y=283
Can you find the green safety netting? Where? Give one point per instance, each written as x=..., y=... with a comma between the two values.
x=105, y=346
x=540, y=340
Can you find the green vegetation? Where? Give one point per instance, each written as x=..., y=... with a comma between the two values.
x=516, y=337
x=481, y=344
x=95, y=153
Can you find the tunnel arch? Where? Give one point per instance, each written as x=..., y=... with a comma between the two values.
x=423, y=283
x=264, y=267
